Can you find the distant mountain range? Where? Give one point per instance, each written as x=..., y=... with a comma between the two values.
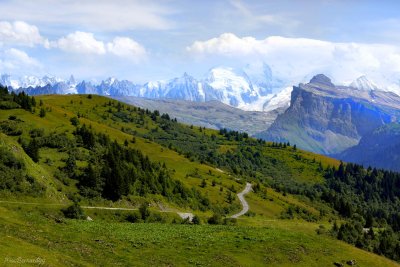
x=318, y=116
x=251, y=90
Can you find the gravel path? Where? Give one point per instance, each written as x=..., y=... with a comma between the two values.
x=245, y=205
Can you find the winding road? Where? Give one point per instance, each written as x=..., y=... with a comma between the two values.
x=240, y=195
x=245, y=205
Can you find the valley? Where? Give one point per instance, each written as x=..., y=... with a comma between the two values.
x=187, y=169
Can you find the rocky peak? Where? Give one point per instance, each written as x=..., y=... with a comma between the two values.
x=322, y=79
x=363, y=83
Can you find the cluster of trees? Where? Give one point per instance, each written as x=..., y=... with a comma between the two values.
x=20, y=100
x=14, y=175
x=115, y=171
x=233, y=135
x=247, y=159
x=368, y=199
x=282, y=145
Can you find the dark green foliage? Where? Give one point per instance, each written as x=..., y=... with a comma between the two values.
x=87, y=137
x=372, y=193
x=13, y=175
x=42, y=112
x=134, y=217
x=74, y=212
x=74, y=121
x=11, y=127
x=196, y=220
x=32, y=150
x=215, y=219
x=24, y=100
x=36, y=132
x=11, y=170
x=54, y=140
x=294, y=211
x=70, y=166
x=115, y=171
x=144, y=211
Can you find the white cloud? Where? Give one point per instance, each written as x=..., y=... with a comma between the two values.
x=296, y=59
x=116, y=15
x=126, y=47
x=81, y=42
x=15, y=61
x=85, y=43
x=21, y=33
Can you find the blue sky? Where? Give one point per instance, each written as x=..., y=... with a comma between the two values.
x=151, y=40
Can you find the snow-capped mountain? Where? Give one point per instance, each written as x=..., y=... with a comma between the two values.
x=27, y=81
x=363, y=83
x=252, y=88
x=279, y=100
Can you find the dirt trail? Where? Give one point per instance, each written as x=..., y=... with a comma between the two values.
x=245, y=205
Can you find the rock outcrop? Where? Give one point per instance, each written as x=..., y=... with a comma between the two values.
x=328, y=119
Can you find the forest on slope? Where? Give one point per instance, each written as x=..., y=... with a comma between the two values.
x=91, y=149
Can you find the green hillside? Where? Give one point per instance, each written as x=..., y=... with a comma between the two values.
x=98, y=152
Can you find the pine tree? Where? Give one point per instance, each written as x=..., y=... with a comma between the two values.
x=42, y=112
x=33, y=150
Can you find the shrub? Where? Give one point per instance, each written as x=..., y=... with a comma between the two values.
x=74, y=121
x=36, y=132
x=196, y=220
x=215, y=219
x=74, y=212
x=134, y=217
x=42, y=112
x=144, y=211
x=230, y=221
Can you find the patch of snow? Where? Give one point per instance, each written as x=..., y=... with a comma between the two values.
x=362, y=83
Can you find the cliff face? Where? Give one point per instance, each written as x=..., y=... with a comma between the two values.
x=380, y=148
x=328, y=119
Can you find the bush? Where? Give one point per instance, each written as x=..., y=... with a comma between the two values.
x=36, y=132
x=144, y=211
x=42, y=113
x=215, y=219
x=74, y=121
x=196, y=220
x=230, y=221
x=74, y=212
x=134, y=217
x=156, y=217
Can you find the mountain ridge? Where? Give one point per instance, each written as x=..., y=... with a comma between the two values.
x=328, y=119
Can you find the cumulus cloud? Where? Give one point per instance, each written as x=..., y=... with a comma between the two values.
x=126, y=47
x=85, y=43
x=14, y=60
x=82, y=43
x=296, y=59
x=21, y=33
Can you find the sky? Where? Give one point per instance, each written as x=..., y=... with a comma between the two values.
x=153, y=40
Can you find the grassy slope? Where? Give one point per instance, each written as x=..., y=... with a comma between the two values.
x=276, y=242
